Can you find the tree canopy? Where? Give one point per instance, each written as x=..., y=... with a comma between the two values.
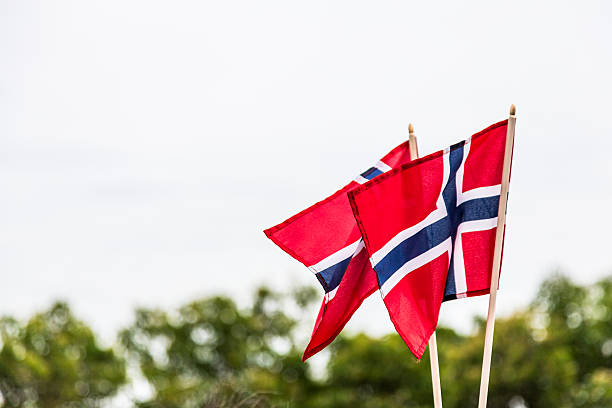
x=211, y=353
x=54, y=360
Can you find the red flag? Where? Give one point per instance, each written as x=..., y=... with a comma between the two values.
x=326, y=239
x=429, y=228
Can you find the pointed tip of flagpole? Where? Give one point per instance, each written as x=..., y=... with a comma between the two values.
x=512, y=110
x=410, y=129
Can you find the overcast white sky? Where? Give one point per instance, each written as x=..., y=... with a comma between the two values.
x=145, y=145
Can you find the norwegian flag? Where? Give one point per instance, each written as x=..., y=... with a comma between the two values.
x=430, y=226
x=326, y=239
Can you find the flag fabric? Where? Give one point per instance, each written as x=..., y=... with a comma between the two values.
x=326, y=239
x=429, y=228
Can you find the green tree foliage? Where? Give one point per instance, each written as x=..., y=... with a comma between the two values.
x=555, y=354
x=54, y=361
x=524, y=370
x=579, y=319
x=378, y=372
x=595, y=391
x=184, y=355
x=213, y=354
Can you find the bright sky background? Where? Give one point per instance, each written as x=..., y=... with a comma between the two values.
x=145, y=145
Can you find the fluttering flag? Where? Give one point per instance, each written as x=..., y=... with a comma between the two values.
x=429, y=228
x=326, y=239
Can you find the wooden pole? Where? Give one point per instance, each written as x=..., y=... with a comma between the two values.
x=435, y=371
x=433, y=346
x=499, y=240
x=412, y=143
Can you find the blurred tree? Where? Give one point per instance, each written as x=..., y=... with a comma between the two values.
x=543, y=356
x=577, y=318
x=213, y=354
x=549, y=355
x=524, y=371
x=595, y=392
x=374, y=372
x=54, y=361
x=183, y=355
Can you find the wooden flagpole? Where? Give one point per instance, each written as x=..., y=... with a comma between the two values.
x=433, y=346
x=499, y=240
